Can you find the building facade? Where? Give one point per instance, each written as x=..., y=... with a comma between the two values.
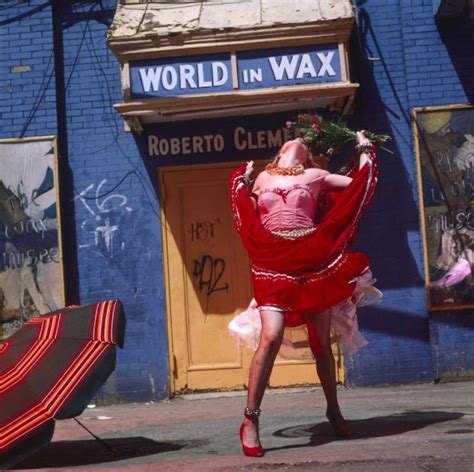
x=144, y=215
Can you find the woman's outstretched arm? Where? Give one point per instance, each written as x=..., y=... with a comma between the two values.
x=336, y=182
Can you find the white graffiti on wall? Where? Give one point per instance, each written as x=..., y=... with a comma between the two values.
x=102, y=206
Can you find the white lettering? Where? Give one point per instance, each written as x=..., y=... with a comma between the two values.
x=201, y=80
x=238, y=132
x=197, y=144
x=219, y=68
x=164, y=147
x=250, y=142
x=219, y=142
x=255, y=75
x=150, y=78
x=153, y=145
x=185, y=143
x=186, y=74
x=306, y=67
x=170, y=78
x=274, y=138
x=175, y=147
x=261, y=139
x=326, y=67
x=31, y=259
x=284, y=67
x=208, y=138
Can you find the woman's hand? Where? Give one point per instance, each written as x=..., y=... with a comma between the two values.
x=248, y=171
x=363, y=144
x=362, y=140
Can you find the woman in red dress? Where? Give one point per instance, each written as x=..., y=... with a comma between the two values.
x=300, y=270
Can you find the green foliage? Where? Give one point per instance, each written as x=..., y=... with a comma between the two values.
x=324, y=136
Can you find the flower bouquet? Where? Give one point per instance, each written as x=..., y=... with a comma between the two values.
x=324, y=136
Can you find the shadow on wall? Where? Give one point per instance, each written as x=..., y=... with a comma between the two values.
x=458, y=36
x=393, y=214
x=390, y=233
x=394, y=323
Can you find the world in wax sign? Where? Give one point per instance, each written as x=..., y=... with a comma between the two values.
x=213, y=73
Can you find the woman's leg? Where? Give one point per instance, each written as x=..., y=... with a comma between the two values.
x=320, y=341
x=261, y=368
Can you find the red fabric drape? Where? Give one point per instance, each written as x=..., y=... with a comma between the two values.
x=313, y=272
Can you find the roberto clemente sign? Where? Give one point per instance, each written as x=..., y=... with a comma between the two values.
x=211, y=140
x=242, y=70
x=242, y=140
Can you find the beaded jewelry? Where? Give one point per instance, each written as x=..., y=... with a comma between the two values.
x=274, y=169
x=252, y=414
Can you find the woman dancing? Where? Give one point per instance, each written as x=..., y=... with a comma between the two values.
x=301, y=270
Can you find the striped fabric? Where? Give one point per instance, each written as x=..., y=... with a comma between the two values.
x=51, y=368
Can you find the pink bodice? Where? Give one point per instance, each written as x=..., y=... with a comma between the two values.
x=287, y=208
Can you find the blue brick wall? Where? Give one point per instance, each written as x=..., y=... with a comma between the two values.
x=402, y=60
x=27, y=99
x=112, y=213
x=406, y=60
x=118, y=233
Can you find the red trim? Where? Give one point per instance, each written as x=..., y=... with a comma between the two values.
x=102, y=335
x=104, y=321
x=49, y=328
x=56, y=397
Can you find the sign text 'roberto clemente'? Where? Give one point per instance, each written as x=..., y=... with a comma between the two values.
x=241, y=139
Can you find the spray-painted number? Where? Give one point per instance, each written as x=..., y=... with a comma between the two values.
x=208, y=273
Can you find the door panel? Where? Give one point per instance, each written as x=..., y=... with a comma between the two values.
x=207, y=274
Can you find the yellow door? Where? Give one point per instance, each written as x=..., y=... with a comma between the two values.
x=207, y=274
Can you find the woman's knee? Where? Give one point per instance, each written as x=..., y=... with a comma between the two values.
x=271, y=340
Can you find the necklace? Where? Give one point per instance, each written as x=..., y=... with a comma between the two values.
x=275, y=169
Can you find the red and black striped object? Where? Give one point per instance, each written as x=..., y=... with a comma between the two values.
x=51, y=369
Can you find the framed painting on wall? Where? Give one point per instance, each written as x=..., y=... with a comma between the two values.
x=31, y=268
x=444, y=139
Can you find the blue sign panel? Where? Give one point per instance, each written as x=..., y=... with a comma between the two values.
x=171, y=77
x=289, y=66
x=210, y=140
x=278, y=67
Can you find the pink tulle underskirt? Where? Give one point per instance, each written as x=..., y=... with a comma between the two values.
x=246, y=327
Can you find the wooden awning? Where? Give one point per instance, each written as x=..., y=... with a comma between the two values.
x=184, y=60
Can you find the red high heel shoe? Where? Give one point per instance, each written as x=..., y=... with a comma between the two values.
x=257, y=451
x=339, y=425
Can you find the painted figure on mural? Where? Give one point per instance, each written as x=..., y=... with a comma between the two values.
x=297, y=222
x=30, y=272
x=446, y=150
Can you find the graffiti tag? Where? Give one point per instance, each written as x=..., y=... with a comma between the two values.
x=208, y=272
x=102, y=208
x=203, y=230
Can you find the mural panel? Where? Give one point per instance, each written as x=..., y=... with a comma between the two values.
x=31, y=272
x=445, y=159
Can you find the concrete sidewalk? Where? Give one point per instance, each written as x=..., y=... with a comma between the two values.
x=423, y=427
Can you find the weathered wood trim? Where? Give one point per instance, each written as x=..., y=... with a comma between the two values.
x=234, y=102
x=125, y=79
x=128, y=48
x=254, y=96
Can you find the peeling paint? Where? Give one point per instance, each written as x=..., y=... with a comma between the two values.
x=163, y=19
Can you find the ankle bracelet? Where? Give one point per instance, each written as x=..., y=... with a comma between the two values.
x=252, y=414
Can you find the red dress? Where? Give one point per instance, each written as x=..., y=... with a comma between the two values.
x=313, y=272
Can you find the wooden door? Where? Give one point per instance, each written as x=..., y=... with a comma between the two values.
x=207, y=274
